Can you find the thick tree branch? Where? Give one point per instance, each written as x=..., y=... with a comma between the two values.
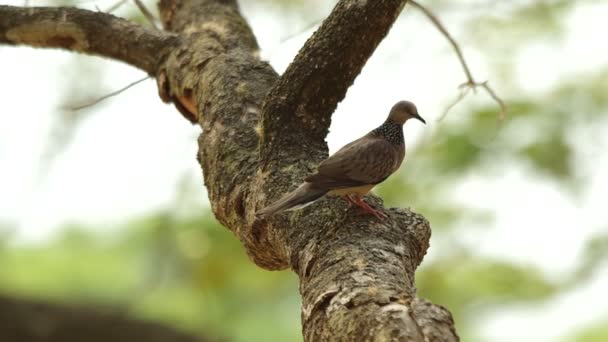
x=356, y=273
x=84, y=31
x=308, y=92
x=30, y=320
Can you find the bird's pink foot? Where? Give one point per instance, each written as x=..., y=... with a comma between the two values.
x=367, y=208
x=349, y=200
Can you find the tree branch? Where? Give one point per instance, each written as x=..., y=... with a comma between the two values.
x=356, y=273
x=307, y=94
x=87, y=32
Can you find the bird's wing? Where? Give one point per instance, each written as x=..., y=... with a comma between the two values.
x=368, y=160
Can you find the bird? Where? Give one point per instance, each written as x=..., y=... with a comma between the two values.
x=356, y=168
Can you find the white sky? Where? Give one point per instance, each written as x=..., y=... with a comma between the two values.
x=126, y=159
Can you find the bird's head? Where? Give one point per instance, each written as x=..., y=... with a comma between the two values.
x=403, y=111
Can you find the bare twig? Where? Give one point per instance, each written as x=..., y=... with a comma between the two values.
x=501, y=103
x=435, y=20
x=114, y=93
x=144, y=10
x=463, y=93
x=470, y=83
x=115, y=6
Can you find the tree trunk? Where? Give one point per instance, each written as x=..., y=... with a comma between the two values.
x=262, y=134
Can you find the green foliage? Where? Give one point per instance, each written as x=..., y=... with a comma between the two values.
x=454, y=152
x=596, y=333
x=521, y=24
x=191, y=273
x=466, y=284
x=595, y=253
x=551, y=155
x=76, y=266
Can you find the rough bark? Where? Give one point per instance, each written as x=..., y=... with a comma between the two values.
x=37, y=321
x=262, y=134
x=87, y=32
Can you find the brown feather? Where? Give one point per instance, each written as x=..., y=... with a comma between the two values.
x=302, y=196
x=368, y=160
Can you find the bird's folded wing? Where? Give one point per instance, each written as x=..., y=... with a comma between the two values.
x=369, y=160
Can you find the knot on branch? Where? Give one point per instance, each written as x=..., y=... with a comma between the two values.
x=435, y=321
x=180, y=73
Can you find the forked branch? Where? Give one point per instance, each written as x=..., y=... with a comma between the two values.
x=306, y=95
x=356, y=274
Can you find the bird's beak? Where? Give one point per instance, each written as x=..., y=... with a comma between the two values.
x=420, y=118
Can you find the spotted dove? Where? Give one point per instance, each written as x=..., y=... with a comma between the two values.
x=356, y=168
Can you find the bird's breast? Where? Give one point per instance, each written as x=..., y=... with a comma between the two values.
x=400, y=157
x=361, y=190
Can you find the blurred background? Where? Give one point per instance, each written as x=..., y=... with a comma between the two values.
x=105, y=205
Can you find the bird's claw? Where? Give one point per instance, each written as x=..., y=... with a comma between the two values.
x=366, y=208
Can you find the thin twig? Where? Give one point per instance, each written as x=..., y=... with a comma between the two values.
x=114, y=93
x=501, y=103
x=463, y=93
x=144, y=10
x=470, y=83
x=115, y=6
x=435, y=20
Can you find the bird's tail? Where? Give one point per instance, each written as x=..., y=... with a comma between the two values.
x=301, y=197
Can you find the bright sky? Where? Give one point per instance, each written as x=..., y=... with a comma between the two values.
x=126, y=159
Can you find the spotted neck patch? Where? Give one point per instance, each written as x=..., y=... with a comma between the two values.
x=391, y=131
